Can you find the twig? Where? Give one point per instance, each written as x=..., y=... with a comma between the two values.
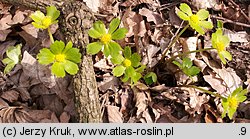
x=230, y=21
x=236, y=5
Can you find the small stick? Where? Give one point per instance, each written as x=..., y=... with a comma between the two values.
x=230, y=21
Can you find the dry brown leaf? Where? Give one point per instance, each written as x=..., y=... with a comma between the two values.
x=109, y=82
x=93, y=4
x=39, y=115
x=224, y=81
x=24, y=94
x=108, y=7
x=4, y=21
x=4, y=46
x=51, y=102
x=114, y=115
x=3, y=104
x=64, y=117
x=129, y=3
x=10, y=95
x=188, y=45
x=18, y=17
x=4, y=34
x=151, y=16
x=134, y=23
x=141, y=101
x=30, y=29
x=102, y=65
x=240, y=36
x=15, y=115
x=35, y=70
x=38, y=90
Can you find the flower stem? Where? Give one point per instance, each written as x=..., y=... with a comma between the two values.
x=170, y=45
x=204, y=90
x=184, y=54
x=50, y=35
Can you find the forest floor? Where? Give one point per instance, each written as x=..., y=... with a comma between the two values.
x=30, y=93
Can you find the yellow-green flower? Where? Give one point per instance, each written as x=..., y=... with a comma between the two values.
x=196, y=21
x=220, y=42
x=231, y=103
x=43, y=22
x=106, y=43
x=63, y=58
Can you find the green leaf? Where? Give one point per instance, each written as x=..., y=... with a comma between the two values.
x=106, y=51
x=183, y=16
x=136, y=78
x=125, y=78
x=36, y=25
x=186, y=9
x=74, y=55
x=114, y=48
x=119, y=34
x=57, y=47
x=117, y=59
x=53, y=12
x=150, y=78
x=219, y=24
x=99, y=27
x=45, y=56
x=193, y=71
x=114, y=25
x=58, y=69
x=70, y=67
x=9, y=67
x=14, y=53
x=177, y=64
x=94, y=48
x=135, y=60
x=38, y=16
x=206, y=24
x=202, y=14
x=140, y=69
x=227, y=55
x=7, y=61
x=67, y=47
x=127, y=52
x=187, y=63
x=130, y=71
x=94, y=33
x=118, y=71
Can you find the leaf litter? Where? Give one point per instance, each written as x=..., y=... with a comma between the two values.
x=30, y=93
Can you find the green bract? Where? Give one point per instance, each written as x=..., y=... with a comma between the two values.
x=231, y=103
x=196, y=21
x=106, y=43
x=43, y=22
x=186, y=67
x=220, y=42
x=64, y=58
x=13, y=55
x=128, y=65
x=150, y=78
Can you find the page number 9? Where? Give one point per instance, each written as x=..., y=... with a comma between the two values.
x=243, y=131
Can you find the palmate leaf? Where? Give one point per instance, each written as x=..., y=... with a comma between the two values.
x=57, y=47
x=94, y=48
x=114, y=24
x=150, y=78
x=119, y=71
x=71, y=67
x=135, y=60
x=13, y=55
x=53, y=12
x=45, y=56
x=58, y=69
x=127, y=52
x=119, y=34
x=231, y=103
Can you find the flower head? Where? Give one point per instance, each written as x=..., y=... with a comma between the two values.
x=231, y=103
x=196, y=21
x=43, y=22
x=129, y=67
x=220, y=42
x=106, y=43
x=64, y=58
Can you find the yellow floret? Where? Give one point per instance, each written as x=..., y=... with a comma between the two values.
x=47, y=21
x=233, y=103
x=60, y=57
x=106, y=38
x=127, y=63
